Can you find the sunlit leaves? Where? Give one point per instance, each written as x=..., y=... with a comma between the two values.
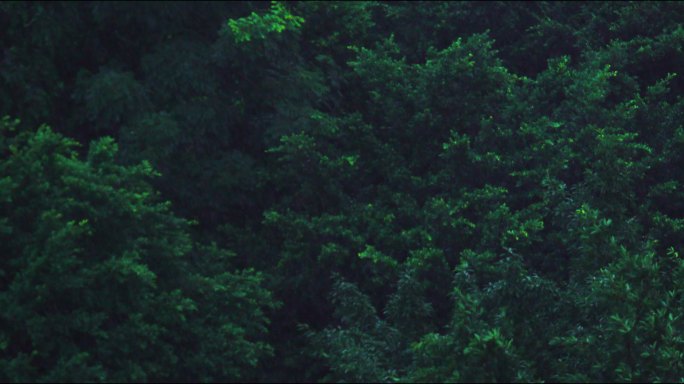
x=255, y=26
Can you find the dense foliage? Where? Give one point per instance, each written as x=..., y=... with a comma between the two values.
x=341, y=191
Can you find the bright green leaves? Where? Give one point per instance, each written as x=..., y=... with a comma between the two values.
x=619, y=164
x=129, y=266
x=95, y=261
x=102, y=152
x=376, y=257
x=487, y=345
x=636, y=338
x=278, y=19
x=294, y=147
x=350, y=159
x=429, y=363
x=470, y=351
x=497, y=192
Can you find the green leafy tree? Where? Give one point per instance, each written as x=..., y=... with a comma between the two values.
x=102, y=283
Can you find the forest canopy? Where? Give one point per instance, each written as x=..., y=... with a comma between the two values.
x=335, y=191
